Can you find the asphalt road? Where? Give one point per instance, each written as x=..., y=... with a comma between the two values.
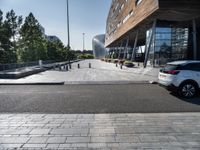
x=127, y=98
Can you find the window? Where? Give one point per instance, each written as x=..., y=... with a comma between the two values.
x=122, y=6
x=193, y=67
x=137, y=2
x=128, y=16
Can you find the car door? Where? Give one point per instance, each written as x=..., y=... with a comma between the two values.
x=193, y=71
x=197, y=68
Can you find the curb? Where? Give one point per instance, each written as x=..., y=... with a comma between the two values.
x=105, y=82
x=42, y=83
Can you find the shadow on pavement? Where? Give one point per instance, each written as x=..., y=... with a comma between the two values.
x=195, y=100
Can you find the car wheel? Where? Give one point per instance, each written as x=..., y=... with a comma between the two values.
x=188, y=90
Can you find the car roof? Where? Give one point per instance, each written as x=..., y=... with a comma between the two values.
x=183, y=62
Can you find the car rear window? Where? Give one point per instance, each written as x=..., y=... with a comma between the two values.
x=171, y=67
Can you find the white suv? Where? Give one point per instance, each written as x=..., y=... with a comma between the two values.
x=181, y=76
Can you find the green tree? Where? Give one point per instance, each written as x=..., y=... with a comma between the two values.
x=12, y=25
x=56, y=51
x=13, y=22
x=8, y=30
x=32, y=45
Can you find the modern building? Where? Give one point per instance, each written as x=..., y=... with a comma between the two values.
x=98, y=45
x=52, y=38
x=154, y=31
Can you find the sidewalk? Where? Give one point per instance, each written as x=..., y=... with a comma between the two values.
x=173, y=131
x=100, y=72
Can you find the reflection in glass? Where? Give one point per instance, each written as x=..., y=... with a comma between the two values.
x=169, y=44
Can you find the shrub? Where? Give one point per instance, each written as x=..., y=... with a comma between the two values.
x=121, y=61
x=109, y=60
x=128, y=64
x=86, y=56
x=115, y=61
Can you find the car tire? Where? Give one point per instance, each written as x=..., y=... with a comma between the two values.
x=188, y=90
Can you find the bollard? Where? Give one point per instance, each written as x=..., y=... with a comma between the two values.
x=116, y=65
x=89, y=65
x=60, y=67
x=78, y=66
x=138, y=64
x=66, y=67
x=121, y=67
x=70, y=66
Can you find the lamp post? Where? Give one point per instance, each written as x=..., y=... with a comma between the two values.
x=83, y=41
x=68, y=34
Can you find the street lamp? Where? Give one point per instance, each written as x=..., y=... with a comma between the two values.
x=68, y=34
x=83, y=41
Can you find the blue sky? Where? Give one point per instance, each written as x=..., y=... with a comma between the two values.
x=88, y=16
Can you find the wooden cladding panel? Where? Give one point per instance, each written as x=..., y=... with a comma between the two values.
x=140, y=12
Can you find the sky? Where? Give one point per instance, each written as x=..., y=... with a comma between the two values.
x=86, y=16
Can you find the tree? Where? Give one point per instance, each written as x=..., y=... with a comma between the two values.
x=56, y=51
x=32, y=44
x=14, y=22
x=8, y=30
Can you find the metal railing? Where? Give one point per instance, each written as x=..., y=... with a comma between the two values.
x=12, y=66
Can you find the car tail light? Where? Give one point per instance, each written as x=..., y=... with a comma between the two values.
x=172, y=72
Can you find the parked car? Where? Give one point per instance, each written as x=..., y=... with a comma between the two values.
x=182, y=77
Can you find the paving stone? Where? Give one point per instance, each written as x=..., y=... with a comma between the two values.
x=97, y=145
x=156, y=138
x=69, y=131
x=126, y=130
x=37, y=140
x=5, y=146
x=188, y=138
x=105, y=139
x=127, y=139
x=78, y=139
x=52, y=146
x=40, y=131
x=100, y=130
x=34, y=145
x=55, y=140
x=79, y=145
x=13, y=140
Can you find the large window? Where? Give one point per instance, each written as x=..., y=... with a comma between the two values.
x=168, y=44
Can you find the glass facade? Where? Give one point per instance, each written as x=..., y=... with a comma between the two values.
x=98, y=46
x=169, y=44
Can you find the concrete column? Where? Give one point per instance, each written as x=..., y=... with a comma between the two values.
x=134, y=48
x=194, y=39
x=126, y=48
x=120, y=49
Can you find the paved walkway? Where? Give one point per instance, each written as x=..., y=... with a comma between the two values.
x=101, y=131
x=100, y=71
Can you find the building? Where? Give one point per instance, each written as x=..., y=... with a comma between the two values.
x=98, y=45
x=52, y=38
x=154, y=31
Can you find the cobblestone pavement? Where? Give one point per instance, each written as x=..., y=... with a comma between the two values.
x=173, y=131
x=100, y=71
